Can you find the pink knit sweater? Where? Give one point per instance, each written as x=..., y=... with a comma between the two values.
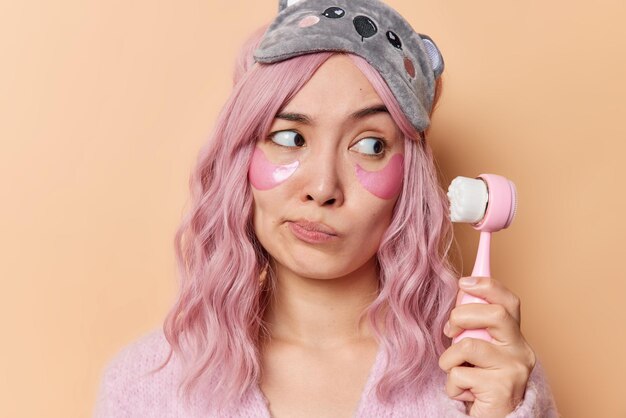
x=124, y=392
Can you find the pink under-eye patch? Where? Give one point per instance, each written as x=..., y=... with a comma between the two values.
x=385, y=183
x=264, y=175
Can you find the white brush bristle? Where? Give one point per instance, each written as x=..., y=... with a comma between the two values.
x=468, y=199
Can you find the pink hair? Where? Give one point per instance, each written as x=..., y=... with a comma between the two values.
x=217, y=320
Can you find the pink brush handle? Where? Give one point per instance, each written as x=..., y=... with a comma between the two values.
x=481, y=269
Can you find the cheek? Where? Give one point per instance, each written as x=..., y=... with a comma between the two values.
x=264, y=175
x=308, y=21
x=385, y=183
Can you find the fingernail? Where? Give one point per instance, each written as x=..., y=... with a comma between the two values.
x=468, y=281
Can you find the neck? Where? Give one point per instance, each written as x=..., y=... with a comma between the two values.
x=322, y=313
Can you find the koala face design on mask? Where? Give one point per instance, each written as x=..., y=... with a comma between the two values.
x=364, y=27
x=409, y=62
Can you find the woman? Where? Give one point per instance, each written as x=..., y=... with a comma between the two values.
x=315, y=278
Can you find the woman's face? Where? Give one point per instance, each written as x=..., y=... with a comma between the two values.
x=327, y=167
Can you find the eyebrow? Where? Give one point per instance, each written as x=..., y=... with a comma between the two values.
x=359, y=114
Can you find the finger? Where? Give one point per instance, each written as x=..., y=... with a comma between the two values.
x=488, y=388
x=493, y=291
x=459, y=297
x=466, y=396
x=494, y=318
x=462, y=382
x=477, y=352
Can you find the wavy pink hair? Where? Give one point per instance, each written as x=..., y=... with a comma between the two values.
x=216, y=322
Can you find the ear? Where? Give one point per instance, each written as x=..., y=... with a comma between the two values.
x=283, y=4
x=433, y=53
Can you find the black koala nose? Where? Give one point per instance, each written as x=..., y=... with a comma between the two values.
x=364, y=26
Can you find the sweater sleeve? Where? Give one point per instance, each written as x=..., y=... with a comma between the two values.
x=126, y=388
x=111, y=400
x=538, y=400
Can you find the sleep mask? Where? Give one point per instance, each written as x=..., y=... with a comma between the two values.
x=408, y=61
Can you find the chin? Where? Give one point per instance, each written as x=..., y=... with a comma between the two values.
x=322, y=269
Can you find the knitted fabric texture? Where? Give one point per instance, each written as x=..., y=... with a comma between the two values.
x=125, y=391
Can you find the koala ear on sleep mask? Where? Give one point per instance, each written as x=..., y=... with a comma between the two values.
x=408, y=61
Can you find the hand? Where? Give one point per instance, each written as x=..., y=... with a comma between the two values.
x=496, y=385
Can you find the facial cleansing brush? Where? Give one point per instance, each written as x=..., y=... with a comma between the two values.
x=488, y=203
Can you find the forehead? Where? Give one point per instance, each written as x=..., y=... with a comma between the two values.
x=337, y=86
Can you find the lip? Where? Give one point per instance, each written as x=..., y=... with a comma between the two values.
x=311, y=232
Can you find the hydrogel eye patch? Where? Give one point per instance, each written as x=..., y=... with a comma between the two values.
x=385, y=183
x=264, y=175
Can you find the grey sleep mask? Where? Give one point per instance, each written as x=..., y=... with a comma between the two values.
x=408, y=61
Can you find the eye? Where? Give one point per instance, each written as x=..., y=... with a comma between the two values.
x=287, y=138
x=394, y=39
x=334, y=12
x=371, y=146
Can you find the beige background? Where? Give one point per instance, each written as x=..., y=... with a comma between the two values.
x=105, y=104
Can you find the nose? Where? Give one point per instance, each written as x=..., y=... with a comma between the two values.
x=364, y=26
x=322, y=180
